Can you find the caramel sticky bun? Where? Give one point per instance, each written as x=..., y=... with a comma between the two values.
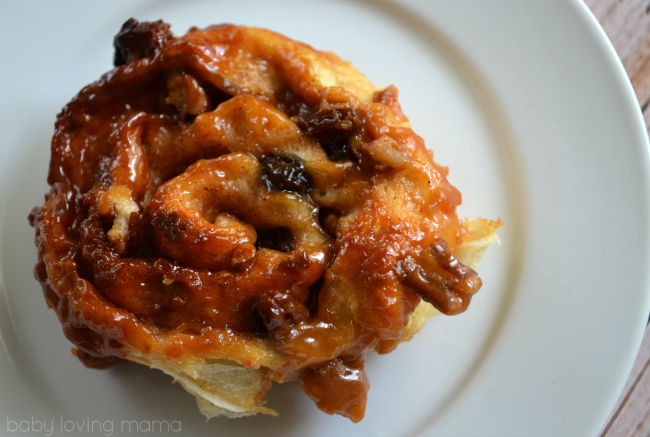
x=235, y=208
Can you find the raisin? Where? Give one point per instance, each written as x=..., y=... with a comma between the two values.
x=285, y=174
x=276, y=239
x=335, y=144
x=332, y=126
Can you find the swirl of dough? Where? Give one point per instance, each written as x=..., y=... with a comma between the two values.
x=207, y=217
x=232, y=194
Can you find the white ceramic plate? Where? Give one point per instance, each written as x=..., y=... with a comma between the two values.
x=524, y=100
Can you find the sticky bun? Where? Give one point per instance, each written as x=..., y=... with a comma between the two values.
x=234, y=208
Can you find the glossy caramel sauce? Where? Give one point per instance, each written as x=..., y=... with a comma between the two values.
x=218, y=195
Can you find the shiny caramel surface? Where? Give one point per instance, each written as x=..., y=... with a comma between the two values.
x=234, y=194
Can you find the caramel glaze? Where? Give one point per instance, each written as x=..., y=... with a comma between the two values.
x=211, y=197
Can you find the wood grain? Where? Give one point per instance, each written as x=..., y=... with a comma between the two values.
x=627, y=24
x=631, y=416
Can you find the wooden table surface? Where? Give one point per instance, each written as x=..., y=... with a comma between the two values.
x=627, y=24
